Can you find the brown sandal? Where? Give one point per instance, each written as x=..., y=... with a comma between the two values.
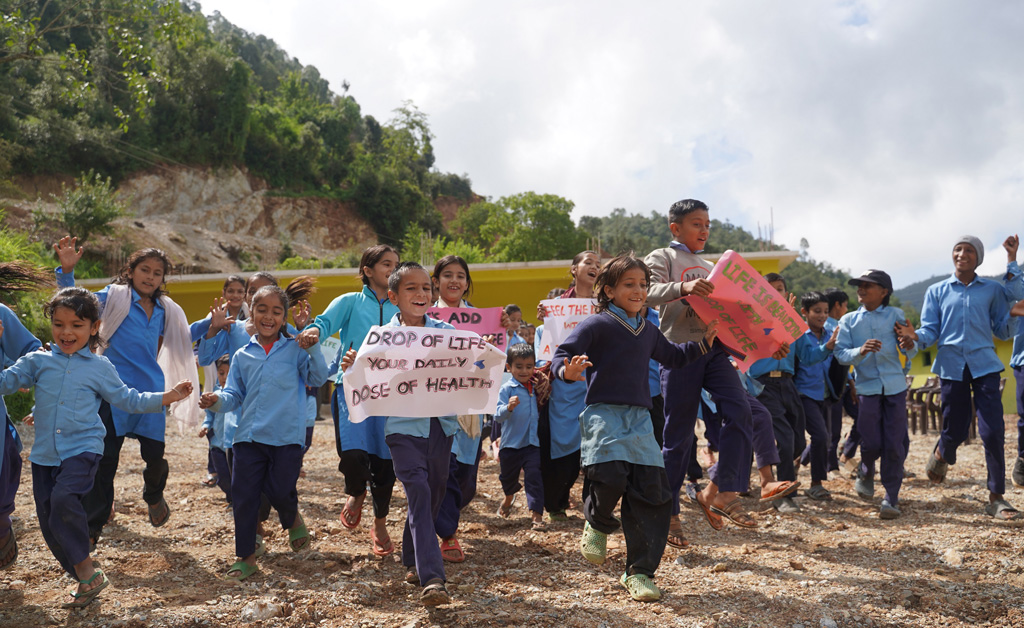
x=675, y=534
x=734, y=512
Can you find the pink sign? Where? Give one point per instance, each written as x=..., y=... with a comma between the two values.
x=484, y=321
x=754, y=320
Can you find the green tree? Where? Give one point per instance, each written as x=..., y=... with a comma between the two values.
x=533, y=227
x=89, y=207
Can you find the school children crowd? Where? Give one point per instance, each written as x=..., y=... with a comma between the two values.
x=617, y=403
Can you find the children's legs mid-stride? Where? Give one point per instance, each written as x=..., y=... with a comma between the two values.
x=527, y=460
x=646, y=509
x=814, y=412
x=58, y=493
x=421, y=465
x=10, y=479
x=883, y=433
x=956, y=422
x=263, y=470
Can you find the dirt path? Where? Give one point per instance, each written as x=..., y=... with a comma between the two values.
x=944, y=563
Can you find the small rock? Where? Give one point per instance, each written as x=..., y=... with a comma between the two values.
x=828, y=622
x=679, y=560
x=796, y=565
x=952, y=558
x=260, y=610
x=745, y=549
x=468, y=588
x=16, y=585
x=720, y=567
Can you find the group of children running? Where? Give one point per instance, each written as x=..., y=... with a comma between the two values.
x=618, y=400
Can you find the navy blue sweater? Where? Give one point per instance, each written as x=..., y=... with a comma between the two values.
x=621, y=357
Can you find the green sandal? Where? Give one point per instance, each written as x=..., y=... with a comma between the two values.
x=301, y=534
x=593, y=545
x=84, y=599
x=641, y=588
x=261, y=547
x=244, y=570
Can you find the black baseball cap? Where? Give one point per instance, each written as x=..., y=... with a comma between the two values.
x=871, y=275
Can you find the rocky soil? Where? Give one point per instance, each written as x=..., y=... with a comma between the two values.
x=944, y=563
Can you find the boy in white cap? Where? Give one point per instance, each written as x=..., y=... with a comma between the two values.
x=960, y=315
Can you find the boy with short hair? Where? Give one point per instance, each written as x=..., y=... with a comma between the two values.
x=960, y=315
x=866, y=340
x=520, y=447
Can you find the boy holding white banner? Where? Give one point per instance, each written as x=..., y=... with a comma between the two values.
x=404, y=367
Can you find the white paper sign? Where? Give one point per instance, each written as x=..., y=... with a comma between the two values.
x=561, y=317
x=423, y=372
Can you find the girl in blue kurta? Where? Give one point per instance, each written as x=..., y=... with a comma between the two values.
x=70, y=381
x=139, y=321
x=364, y=456
x=620, y=455
x=267, y=380
x=14, y=343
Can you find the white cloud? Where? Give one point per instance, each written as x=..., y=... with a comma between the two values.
x=878, y=131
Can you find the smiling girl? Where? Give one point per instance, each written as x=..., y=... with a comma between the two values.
x=267, y=380
x=70, y=382
x=140, y=324
x=620, y=455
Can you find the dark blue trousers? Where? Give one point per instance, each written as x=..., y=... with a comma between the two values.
x=421, y=465
x=883, y=435
x=765, y=451
x=527, y=460
x=210, y=466
x=268, y=470
x=559, y=474
x=10, y=476
x=956, y=422
x=681, y=389
x=222, y=468
x=1018, y=375
x=818, y=428
x=459, y=491
x=58, y=492
x=782, y=400
x=852, y=441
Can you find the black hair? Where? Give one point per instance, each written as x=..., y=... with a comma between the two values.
x=18, y=276
x=679, y=209
x=371, y=256
x=812, y=298
x=612, y=272
x=511, y=309
x=773, y=277
x=234, y=279
x=137, y=258
x=836, y=296
x=83, y=303
x=395, y=278
x=554, y=293
x=520, y=351
x=253, y=278
x=223, y=360
x=448, y=260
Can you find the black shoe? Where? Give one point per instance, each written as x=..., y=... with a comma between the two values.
x=1018, y=472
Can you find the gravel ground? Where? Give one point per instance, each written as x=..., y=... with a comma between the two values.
x=944, y=563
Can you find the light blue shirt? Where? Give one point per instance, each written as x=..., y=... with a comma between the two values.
x=537, y=344
x=518, y=426
x=222, y=426
x=227, y=341
x=419, y=426
x=618, y=432
x=878, y=373
x=654, y=369
x=132, y=350
x=961, y=319
x=805, y=349
x=351, y=316
x=15, y=342
x=270, y=388
x=811, y=380
x=68, y=392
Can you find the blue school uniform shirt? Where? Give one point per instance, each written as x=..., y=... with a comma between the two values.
x=879, y=373
x=803, y=348
x=465, y=447
x=68, y=391
x=419, y=426
x=961, y=319
x=518, y=426
x=15, y=342
x=654, y=369
x=351, y=316
x=132, y=350
x=811, y=380
x=270, y=389
x=222, y=424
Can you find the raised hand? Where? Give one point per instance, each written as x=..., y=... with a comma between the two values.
x=1010, y=244
x=348, y=359
x=219, y=316
x=831, y=344
x=575, y=368
x=67, y=253
x=513, y=402
x=300, y=314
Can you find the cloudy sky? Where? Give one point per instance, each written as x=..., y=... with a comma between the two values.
x=879, y=131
